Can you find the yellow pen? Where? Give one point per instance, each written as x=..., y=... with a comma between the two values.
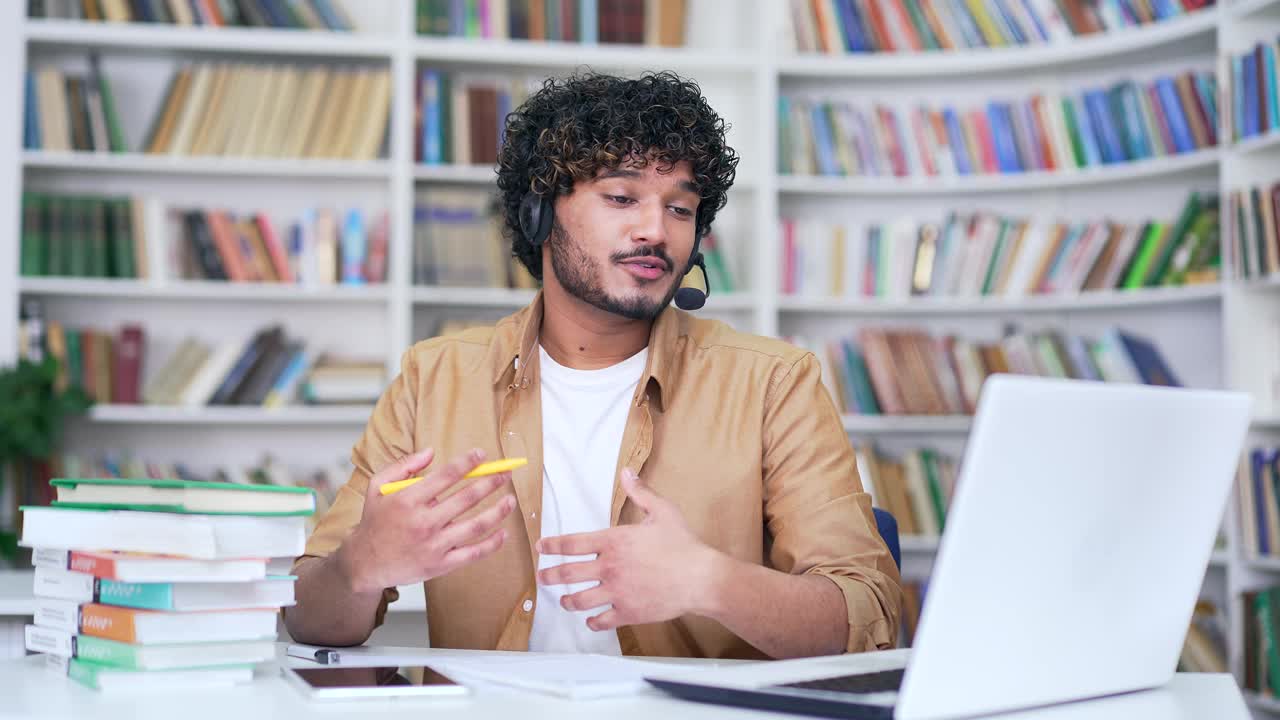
x=493, y=467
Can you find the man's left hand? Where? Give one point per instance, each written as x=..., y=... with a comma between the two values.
x=650, y=572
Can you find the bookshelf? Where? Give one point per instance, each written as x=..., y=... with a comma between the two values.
x=1218, y=335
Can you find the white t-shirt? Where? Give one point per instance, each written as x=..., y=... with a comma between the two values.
x=583, y=415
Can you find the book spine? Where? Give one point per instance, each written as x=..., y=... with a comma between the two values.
x=96, y=566
x=60, y=615
x=146, y=596
x=106, y=652
x=46, y=640
x=64, y=585
x=51, y=558
x=108, y=622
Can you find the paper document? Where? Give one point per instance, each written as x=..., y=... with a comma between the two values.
x=578, y=677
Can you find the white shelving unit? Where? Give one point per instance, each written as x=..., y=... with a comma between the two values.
x=1225, y=335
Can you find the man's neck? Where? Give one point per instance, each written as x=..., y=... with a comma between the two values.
x=580, y=336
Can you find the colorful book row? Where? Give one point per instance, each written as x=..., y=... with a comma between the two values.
x=1048, y=132
x=987, y=254
x=880, y=371
x=869, y=26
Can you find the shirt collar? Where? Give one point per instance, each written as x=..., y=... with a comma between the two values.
x=517, y=340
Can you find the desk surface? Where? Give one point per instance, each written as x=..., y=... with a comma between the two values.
x=29, y=690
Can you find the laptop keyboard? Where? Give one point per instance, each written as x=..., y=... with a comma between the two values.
x=884, y=681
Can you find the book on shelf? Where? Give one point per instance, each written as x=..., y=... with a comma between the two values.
x=915, y=487
x=1255, y=107
x=1254, y=218
x=324, y=246
x=291, y=15
x=587, y=22
x=71, y=111
x=103, y=630
x=458, y=241
x=1205, y=647
x=900, y=371
x=268, y=370
x=299, y=111
x=1258, y=495
x=986, y=254
x=879, y=26
x=89, y=236
x=1259, y=611
x=1050, y=131
x=460, y=117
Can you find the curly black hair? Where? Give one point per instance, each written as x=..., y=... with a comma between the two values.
x=575, y=126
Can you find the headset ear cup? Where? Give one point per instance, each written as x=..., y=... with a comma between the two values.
x=536, y=216
x=546, y=216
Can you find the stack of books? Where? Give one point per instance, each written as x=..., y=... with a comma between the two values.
x=161, y=584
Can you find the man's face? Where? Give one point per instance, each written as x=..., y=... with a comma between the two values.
x=621, y=242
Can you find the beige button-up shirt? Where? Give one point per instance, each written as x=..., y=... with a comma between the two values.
x=737, y=430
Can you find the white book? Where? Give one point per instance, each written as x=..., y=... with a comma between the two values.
x=63, y=584
x=60, y=615
x=855, y=259
x=199, y=536
x=51, y=641
x=1025, y=265
x=205, y=383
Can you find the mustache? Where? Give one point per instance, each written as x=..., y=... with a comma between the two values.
x=641, y=252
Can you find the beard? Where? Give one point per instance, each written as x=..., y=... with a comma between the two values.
x=580, y=275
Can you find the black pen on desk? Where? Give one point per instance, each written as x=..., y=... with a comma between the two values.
x=324, y=656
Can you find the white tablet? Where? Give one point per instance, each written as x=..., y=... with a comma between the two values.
x=346, y=683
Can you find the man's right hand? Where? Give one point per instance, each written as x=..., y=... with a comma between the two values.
x=413, y=535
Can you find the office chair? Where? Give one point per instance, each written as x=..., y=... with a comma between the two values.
x=888, y=528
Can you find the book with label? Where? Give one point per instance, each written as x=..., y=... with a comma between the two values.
x=146, y=627
x=183, y=496
x=143, y=568
x=127, y=656
x=274, y=592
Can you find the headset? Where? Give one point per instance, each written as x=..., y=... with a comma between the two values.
x=537, y=215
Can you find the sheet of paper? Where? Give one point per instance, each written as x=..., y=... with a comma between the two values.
x=578, y=677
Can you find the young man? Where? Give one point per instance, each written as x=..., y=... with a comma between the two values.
x=690, y=489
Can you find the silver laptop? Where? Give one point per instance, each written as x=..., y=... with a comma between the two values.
x=1074, y=550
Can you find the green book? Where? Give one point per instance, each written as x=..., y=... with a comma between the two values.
x=115, y=132
x=120, y=224
x=921, y=26
x=472, y=19
x=34, y=239
x=99, y=252
x=930, y=462
x=105, y=677
x=1177, y=239
x=719, y=278
x=994, y=266
x=183, y=496
x=860, y=378
x=1146, y=256
x=1073, y=130
x=447, y=154
x=77, y=237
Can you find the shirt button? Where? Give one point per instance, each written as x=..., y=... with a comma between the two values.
x=528, y=605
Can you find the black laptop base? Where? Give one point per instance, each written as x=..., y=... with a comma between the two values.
x=753, y=699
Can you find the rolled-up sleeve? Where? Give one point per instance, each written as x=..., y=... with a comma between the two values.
x=818, y=516
x=387, y=437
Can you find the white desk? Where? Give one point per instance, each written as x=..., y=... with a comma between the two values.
x=28, y=690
